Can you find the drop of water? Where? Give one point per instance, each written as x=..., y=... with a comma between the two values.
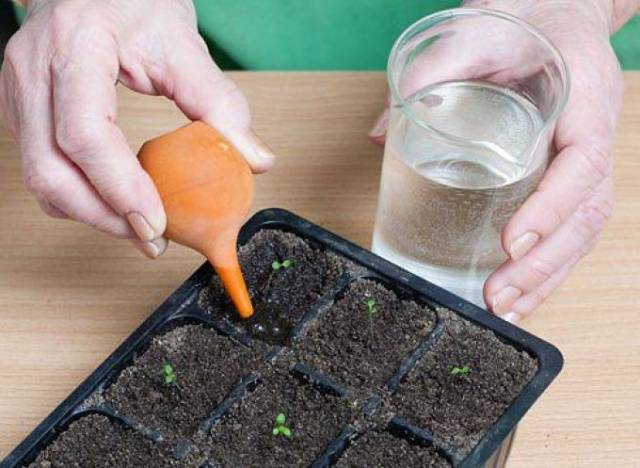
x=270, y=324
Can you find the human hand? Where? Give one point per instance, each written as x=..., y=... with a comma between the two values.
x=58, y=100
x=561, y=220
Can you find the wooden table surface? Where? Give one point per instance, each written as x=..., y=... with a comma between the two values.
x=69, y=296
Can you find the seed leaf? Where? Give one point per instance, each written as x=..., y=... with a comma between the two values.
x=464, y=370
x=371, y=306
x=169, y=374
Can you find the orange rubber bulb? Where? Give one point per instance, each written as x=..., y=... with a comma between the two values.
x=207, y=188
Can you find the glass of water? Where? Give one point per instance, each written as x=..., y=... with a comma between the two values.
x=475, y=95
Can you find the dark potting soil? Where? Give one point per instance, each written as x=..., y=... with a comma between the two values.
x=95, y=441
x=244, y=437
x=207, y=366
x=383, y=450
x=287, y=292
x=458, y=409
x=361, y=348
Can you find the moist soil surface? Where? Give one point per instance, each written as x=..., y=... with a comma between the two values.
x=459, y=408
x=360, y=348
x=207, y=366
x=288, y=292
x=381, y=449
x=95, y=441
x=354, y=344
x=244, y=437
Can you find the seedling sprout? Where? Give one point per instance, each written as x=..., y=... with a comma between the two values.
x=372, y=309
x=280, y=428
x=276, y=265
x=169, y=375
x=463, y=370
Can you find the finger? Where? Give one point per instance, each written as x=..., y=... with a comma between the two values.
x=84, y=98
x=572, y=177
x=63, y=192
x=475, y=47
x=584, y=139
x=52, y=178
x=570, y=242
x=526, y=304
x=203, y=92
x=471, y=50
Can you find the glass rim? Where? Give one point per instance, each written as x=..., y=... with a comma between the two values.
x=452, y=13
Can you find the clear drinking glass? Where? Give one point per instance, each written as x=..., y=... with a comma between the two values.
x=475, y=95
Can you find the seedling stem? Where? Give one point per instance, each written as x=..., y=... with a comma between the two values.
x=372, y=310
x=275, y=266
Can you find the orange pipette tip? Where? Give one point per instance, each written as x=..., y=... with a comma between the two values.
x=207, y=188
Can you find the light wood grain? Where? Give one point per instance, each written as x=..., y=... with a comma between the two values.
x=69, y=296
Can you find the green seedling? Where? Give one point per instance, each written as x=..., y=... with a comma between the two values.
x=372, y=307
x=464, y=370
x=372, y=310
x=280, y=428
x=276, y=265
x=169, y=375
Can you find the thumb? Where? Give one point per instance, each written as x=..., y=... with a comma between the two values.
x=202, y=92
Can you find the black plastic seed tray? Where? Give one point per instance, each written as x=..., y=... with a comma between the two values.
x=376, y=402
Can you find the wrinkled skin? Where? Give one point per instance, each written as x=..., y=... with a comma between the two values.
x=58, y=100
x=561, y=221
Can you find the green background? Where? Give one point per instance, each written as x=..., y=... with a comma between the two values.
x=330, y=34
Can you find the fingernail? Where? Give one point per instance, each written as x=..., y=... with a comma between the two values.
x=380, y=125
x=261, y=149
x=141, y=226
x=153, y=249
x=502, y=301
x=523, y=244
x=512, y=317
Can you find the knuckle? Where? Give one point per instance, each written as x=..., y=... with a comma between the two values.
x=42, y=182
x=75, y=33
x=14, y=51
x=538, y=296
x=60, y=63
x=226, y=87
x=197, y=43
x=78, y=138
x=598, y=162
x=540, y=270
x=111, y=189
x=542, y=201
x=63, y=19
x=50, y=210
x=591, y=217
x=535, y=298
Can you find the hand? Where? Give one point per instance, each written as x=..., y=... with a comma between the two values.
x=58, y=98
x=560, y=222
